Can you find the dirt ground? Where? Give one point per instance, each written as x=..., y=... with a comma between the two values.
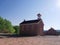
x=37, y=40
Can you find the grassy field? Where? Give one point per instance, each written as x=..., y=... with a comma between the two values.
x=36, y=40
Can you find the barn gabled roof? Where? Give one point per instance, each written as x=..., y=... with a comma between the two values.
x=31, y=21
x=51, y=29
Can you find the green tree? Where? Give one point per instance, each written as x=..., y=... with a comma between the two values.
x=6, y=26
x=16, y=29
x=1, y=23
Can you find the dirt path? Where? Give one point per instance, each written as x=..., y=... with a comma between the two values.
x=44, y=40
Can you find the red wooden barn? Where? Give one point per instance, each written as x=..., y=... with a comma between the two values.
x=32, y=27
x=51, y=31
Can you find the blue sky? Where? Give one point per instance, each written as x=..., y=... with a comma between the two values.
x=18, y=10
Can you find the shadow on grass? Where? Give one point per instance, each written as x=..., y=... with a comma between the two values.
x=15, y=36
x=18, y=36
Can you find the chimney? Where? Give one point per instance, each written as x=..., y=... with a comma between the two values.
x=39, y=16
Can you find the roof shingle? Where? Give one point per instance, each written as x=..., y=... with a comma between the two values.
x=30, y=21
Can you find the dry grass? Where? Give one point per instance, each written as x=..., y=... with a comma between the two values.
x=37, y=40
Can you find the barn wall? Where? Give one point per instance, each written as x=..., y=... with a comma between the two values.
x=41, y=28
x=29, y=29
x=32, y=29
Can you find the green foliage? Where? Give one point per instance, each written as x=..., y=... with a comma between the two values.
x=16, y=29
x=6, y=26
